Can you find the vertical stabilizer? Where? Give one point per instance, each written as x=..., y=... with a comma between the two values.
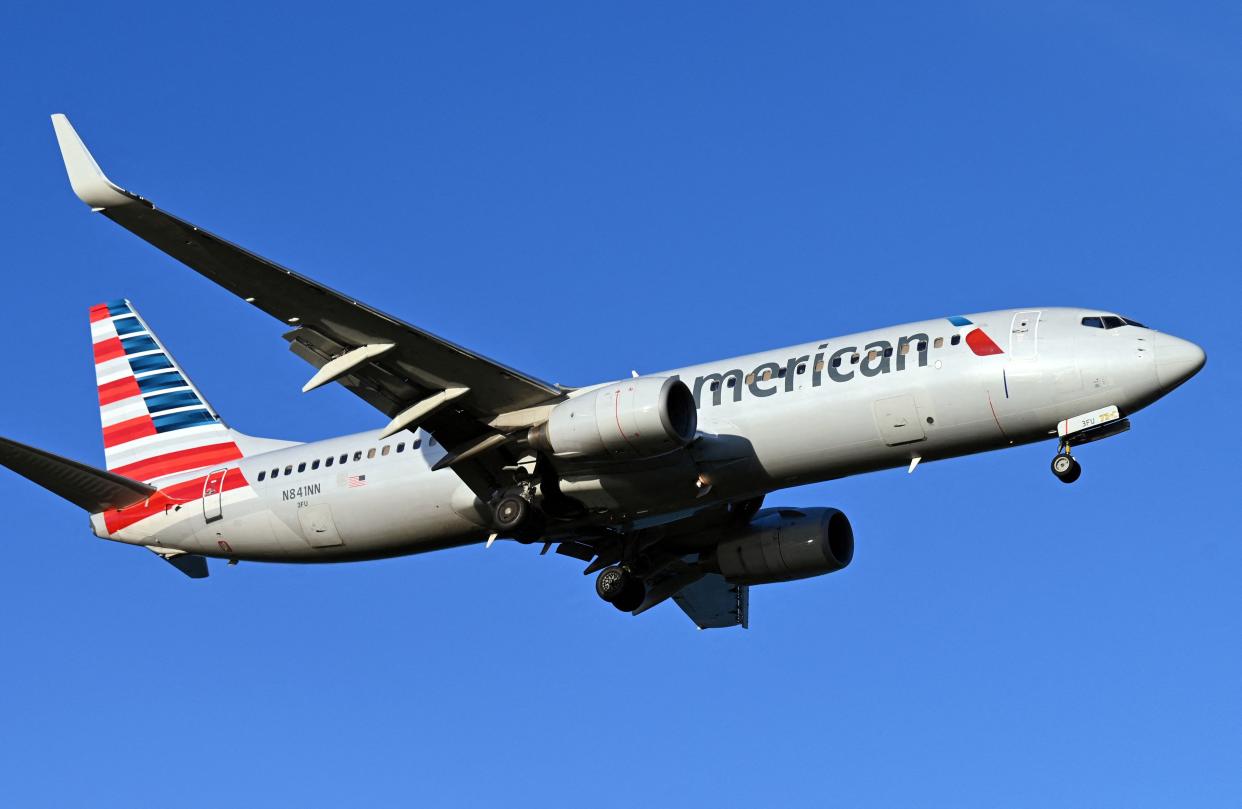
x=155, y=422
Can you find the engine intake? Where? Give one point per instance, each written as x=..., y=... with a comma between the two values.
x=634, y=418
x=785, y=544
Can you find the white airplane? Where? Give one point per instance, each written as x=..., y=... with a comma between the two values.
x=656, y=481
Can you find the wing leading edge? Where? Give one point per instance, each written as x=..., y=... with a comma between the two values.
x=416, y=379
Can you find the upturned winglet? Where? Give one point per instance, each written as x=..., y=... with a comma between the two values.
x=88, y=181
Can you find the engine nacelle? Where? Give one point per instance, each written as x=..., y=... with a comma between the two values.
x=634, y=418
x=783, y=544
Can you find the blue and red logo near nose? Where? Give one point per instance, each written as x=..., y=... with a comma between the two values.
x=976, y=338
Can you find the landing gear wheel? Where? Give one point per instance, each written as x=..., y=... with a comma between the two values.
x=1066, y=468
x=611, y=582
x=510, y=512
x=632, y=596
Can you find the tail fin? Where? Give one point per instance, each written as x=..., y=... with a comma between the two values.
x=155, y=422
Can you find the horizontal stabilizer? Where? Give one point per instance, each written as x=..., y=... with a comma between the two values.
x=93, y=489
x=191, y=564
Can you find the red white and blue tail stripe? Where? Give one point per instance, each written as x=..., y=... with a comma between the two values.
x=155, y=422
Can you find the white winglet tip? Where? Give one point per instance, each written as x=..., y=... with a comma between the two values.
x=88, y=181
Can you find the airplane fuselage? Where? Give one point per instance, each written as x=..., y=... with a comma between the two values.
x=929, y=390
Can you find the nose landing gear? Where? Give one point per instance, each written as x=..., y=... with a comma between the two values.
x=1065, y=467
x=620, y=588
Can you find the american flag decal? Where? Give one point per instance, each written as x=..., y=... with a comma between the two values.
x=355, y=481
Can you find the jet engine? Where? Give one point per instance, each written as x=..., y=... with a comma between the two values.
x=634, y=418
x=783, y=544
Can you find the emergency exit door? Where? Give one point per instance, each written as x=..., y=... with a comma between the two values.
x=213, y=494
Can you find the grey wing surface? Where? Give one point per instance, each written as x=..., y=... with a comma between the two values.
x=416, y=379
x=713, y=603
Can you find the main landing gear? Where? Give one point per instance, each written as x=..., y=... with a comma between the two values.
x=510, y=512
x=620, y=588
x=1064, y=466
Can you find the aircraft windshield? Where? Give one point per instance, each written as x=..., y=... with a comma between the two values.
x=1110, y=322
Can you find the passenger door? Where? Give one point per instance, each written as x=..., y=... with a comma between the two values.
x=213, y=493
x=1024, y=336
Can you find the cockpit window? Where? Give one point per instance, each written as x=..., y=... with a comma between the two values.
x=1110, y=322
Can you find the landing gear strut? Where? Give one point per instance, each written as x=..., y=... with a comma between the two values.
x=1065, y=467
x=621, y=588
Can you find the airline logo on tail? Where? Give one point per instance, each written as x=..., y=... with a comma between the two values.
x=155, y=423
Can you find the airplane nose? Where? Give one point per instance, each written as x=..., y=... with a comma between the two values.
x=1176, y=360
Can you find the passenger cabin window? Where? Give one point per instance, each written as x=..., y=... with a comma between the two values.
x=262, y=474
x=329, y=461
x=275, y=472
x=370, y=453
x=955, y=339
x=854, y=359
x=939, y=343
x=385, y=450
x=905, y=349
x=358, y=455
x=315, y=464
x=302, y=466
x=289, y=469
x=888, y=352
x=922, y=345
x=401, y=446
x=342, y=459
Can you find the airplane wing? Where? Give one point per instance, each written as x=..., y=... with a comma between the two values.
x=413, y=377
x=713, y=603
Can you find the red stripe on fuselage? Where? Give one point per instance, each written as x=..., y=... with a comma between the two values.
x=118, y=389
x=108, y=349
x=173, y=462
x=178, y=494
x=124, y=431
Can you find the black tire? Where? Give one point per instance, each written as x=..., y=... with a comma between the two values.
x=632, y=596
x=1066, y=468
x=510, y=513
x=611, y=583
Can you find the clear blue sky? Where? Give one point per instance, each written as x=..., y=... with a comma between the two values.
x=578, y=190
